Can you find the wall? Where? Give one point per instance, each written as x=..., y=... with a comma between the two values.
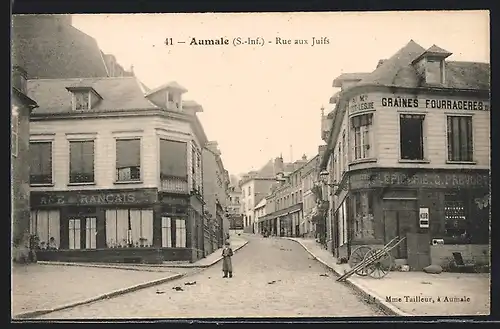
x=209, y=181
x=387, y=130
x=105, y=131
x=20, y=173
x=442, y=254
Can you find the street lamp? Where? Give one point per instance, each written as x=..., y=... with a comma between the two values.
x=323, y=175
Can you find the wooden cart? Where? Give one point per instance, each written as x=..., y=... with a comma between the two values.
x=375, y=262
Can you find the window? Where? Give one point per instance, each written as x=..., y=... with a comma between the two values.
x=90, y=232
x=344, y=152
x=361, y=126
x=81, y=165
x=173, y=166
x=14, y=129
x=128, y=160
x=434, y=71
x=455, y=216
x=41, y=163
x=249, y=190
x=363, y=214
x=141, y=228
x=411, y=136
x=300, y=195
x=129, y=227
x=170, y=97
x=460, y=143
x=196, y=169
x=117, y=228
x=74, y=234
x=180, y=233
x=45, y=224
x=81, y=100
x=166, y=232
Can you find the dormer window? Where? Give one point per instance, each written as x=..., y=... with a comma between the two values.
x=84, y=98
x=81, y=100
x=431, y=65
x=435, y=71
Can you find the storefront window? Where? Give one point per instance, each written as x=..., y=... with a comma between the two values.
x=129, y=228
x=180, y=233
x=455, y=217
x=45, y=225
x=363, y=215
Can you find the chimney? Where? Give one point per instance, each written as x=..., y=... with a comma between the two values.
x=380, y=62
x=304, y=158
x=19, y=79
x=321, y=150
x=278, y=165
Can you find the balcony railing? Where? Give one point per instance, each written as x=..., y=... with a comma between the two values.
x=174, y=184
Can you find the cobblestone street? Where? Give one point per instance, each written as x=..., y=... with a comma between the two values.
x=300, y=288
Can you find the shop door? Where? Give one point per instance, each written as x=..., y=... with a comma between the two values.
x=400, y=218
x=82, y=232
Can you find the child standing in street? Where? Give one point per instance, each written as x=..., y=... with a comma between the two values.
x=227, y=266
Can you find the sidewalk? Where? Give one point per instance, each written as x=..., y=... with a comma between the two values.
x=40, y=289
x=47, y=287
x=409, y=290
x=237, y=242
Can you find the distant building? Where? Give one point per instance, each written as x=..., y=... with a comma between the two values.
x=409, y=155
x=310, y=176
x=259, y=212
x=215, y=194
x=103, y=177
x=284, y=201
x=49, y=47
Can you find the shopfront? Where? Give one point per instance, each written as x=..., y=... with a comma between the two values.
x=133, y=225
x=437, y=211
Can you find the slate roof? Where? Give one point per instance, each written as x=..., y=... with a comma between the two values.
x=119, y=93
x=50, y=48
x=348, y=77
x=397, y=71
x=172, y=84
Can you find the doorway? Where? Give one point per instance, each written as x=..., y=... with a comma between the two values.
x=82, y=232
x=400, y=218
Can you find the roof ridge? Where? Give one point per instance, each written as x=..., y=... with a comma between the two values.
x=87, y=78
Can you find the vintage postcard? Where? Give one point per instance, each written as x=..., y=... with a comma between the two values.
x=250, y=165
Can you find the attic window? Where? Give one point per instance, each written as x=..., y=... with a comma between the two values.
x=84, y=98
x=435, y=71
x=81, y=100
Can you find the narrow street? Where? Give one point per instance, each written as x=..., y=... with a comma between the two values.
x=272, y=278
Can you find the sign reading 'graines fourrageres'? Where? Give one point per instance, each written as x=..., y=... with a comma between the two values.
x=444, y=104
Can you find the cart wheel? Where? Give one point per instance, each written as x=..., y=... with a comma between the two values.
x=357, y=257
x=381, y=266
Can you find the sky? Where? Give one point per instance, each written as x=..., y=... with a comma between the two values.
x=261, y=102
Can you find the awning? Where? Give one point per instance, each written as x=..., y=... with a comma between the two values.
x=282, y=212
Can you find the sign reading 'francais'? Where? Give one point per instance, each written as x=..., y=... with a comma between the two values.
x=93, y=197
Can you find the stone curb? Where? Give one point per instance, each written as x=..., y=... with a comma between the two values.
x=33, y=314
x=364, y=291
x=138, y=266
x=220, y=258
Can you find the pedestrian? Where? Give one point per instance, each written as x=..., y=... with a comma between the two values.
x=227, y=266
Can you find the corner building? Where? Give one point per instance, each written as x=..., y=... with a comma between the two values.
x=115, y=171
x=410, y=151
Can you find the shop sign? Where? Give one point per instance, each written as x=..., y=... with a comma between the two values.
x=422, y=179
x=443, y=104
x=424, y=217
x=93, y=198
